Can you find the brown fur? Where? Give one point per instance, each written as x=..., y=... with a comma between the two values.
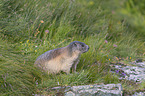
x=62, y=59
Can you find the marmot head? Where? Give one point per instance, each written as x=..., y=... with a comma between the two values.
x=79, y=46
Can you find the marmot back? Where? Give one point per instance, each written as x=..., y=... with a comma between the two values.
x=62, y=59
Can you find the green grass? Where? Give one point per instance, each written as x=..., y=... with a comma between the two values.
x=23, y=39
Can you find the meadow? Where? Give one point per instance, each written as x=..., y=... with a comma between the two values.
x=113, y=29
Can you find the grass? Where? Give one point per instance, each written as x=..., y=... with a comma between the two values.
x=30, y=28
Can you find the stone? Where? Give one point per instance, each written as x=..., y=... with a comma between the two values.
x=70, y=93
x=136, y=72
x=96, y=90
x=139, y=94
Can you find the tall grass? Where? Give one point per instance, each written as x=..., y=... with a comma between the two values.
x=32, y=27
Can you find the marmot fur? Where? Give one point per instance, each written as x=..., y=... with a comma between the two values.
x=62, y=59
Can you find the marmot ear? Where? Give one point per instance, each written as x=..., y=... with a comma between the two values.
x=75, y=44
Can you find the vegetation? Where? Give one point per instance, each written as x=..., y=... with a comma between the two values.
x=113, y=29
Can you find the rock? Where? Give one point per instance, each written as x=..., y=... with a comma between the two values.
x=140, y=64
x=136, y=72
x=139, y=94
x=70, y=93
x=96, y=90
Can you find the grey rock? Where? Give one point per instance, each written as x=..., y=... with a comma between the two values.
x=136, y=72
x=69, y=93
x=139, y=94
x=96, y=90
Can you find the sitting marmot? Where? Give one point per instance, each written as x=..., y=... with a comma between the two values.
x=62, y=59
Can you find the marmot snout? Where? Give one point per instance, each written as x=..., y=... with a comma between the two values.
x=62, y=59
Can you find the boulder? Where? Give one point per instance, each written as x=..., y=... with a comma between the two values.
x=96, y=90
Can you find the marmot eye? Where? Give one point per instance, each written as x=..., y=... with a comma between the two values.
x=75, y=44
x=82, y=45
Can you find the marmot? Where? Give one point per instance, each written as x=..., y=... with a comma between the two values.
x=62, y=59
